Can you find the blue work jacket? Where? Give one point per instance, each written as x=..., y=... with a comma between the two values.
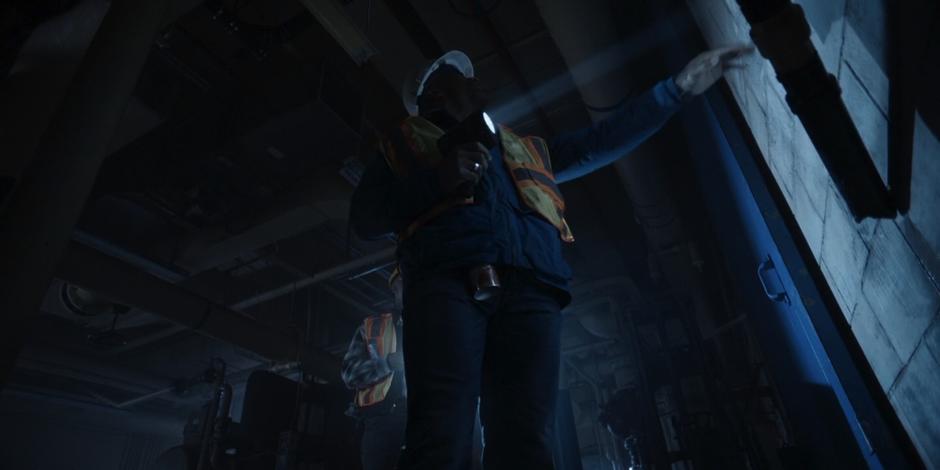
x=498, y=228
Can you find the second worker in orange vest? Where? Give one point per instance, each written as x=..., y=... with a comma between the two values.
x=373, y=367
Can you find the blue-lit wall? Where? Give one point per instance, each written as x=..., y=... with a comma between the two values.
x=882, y=272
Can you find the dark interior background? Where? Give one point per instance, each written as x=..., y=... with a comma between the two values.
x=228, y=182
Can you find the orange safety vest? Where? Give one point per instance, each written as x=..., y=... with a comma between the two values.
x=414, y=146
x=379, y=332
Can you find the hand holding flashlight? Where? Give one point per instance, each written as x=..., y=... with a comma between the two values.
x=466, y=156
x=461, y=169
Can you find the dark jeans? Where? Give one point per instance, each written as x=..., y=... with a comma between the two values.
x=382, y=438
x=504, y=351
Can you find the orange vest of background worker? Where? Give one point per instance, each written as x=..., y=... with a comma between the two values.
x=373, y=367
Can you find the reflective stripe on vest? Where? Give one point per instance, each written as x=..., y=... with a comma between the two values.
x=380, y=333
x=530, y=166
x=527, y=160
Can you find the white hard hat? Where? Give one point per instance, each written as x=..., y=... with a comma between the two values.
x=413, y=87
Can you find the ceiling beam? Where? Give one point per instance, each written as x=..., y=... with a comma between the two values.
x=367, y=262
x=126, y=284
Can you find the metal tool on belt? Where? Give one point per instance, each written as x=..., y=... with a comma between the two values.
x=484, y=282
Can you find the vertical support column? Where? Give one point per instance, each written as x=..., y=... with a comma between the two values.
x=48, y=198
x=581, y=31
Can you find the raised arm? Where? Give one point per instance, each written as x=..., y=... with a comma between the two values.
x=577, y=153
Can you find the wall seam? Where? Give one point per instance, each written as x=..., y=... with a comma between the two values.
x=920, y=261
x=845, y=25
x=861, y=83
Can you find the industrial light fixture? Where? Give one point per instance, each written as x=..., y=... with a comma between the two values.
x=86, y=303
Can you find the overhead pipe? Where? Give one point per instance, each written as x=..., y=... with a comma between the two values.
x=366, y=263
x=111, y=249
x=362, y=309
x=782, y=34
x=126, y=284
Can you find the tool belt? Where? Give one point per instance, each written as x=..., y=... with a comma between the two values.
x=486, y=281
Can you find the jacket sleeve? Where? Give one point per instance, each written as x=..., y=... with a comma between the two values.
x=577, y=153
x=360, y=369
x=385, y=204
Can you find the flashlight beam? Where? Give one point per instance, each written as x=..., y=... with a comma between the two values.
x=602, y=63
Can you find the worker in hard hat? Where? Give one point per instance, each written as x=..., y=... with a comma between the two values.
x=481, y=224
x=374, y=367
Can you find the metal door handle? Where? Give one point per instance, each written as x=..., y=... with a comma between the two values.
x=768, y=266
